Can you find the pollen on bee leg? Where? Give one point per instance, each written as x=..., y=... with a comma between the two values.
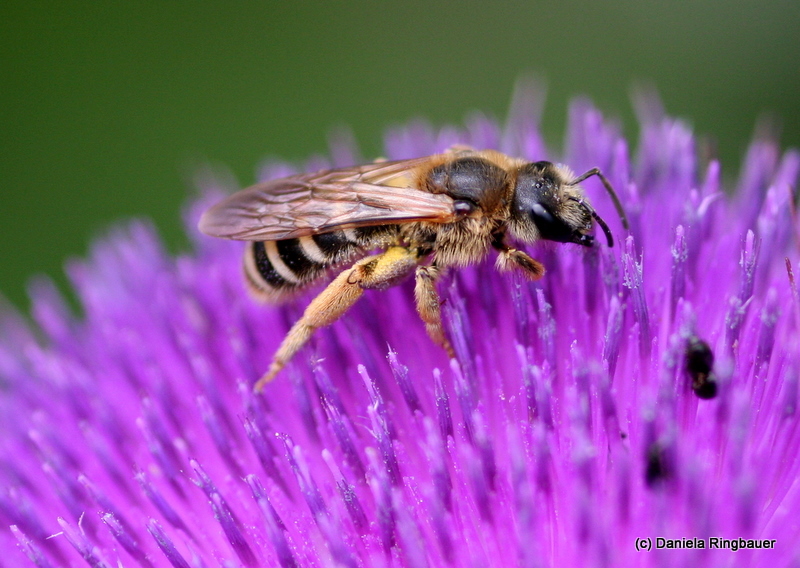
x=323, y=310
x=377, y=272
x=294, y=340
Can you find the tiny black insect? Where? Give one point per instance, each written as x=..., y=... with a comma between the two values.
x=700, y=366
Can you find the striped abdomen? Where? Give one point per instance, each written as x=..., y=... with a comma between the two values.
x=275, y=269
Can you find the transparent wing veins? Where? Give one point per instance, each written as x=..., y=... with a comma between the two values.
x=308, y=204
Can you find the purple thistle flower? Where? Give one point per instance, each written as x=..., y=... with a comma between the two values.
x=568, y=426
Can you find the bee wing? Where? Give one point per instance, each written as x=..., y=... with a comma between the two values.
x=308, y=204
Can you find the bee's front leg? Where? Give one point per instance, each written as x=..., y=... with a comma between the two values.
x=428, y=305
x=379, y=271
x=514, y=258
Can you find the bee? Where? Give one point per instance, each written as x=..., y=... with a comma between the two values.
x=394, y=218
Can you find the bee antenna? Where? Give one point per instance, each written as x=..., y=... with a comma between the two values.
x=596, y=217
x=611, y=192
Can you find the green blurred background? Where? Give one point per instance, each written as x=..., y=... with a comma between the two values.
x=107, y=108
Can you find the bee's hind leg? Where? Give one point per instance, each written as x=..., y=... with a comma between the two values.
x=379, y=271
x=428, y=305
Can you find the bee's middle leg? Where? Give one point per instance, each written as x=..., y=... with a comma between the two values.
x=429, y=305
x=379, y=271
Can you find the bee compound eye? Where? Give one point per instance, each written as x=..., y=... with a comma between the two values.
x=551, y=228
x=541, y=215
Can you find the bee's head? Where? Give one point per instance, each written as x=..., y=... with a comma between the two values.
x=548, y=204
